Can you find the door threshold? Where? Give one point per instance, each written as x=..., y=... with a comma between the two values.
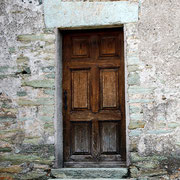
x=113, y=164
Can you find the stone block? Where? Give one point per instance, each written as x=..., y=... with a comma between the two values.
x=31, y=140
x=133, y=68
x=136, y=124
x=159, y=131
x=136, y=158
x=79, y=14
x=134, y=79
x=36, y=37
x=50, y=76
x=173, y=125
x=49, y=125
x=140, y=100
x=11, y=169
x=49, y=92
x=22, y=60
x=45, y=101
x=12, y=49
x=48, y=69
x=33, y=175
x=21, y=93
x=5, y=149
x=153, y=173
x=47, y=109
x=46, y=118
x=19, y=158
x=135, y=133
x=133, y=60
x=136, y=116
x=39, y=83
x=139, y=90
x=134, y=172
x=134, y=109
x=148, y=165
x=3, y=69
x=90, y=173
x=36, y=102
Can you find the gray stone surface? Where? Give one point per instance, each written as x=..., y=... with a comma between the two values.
x=90, y=173
x=79, y=14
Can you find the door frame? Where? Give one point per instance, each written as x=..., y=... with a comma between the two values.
x=58, y=119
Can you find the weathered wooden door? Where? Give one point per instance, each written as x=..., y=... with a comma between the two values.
x=94, y=98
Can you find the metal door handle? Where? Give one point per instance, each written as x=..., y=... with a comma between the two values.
x=65, y=99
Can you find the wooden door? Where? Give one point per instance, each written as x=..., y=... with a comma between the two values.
x=94, y=98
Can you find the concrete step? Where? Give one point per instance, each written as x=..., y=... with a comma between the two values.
x=90, y=173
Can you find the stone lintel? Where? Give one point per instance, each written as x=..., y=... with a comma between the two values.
x=60, y=14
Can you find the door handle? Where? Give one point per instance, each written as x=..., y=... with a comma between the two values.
x=65, y=99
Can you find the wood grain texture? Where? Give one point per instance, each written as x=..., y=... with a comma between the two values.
x=109, y=134
x=93, y=77
x=109, y=88
x=80, y=89
x=80, y=136
x=80, y=47
x=108, y=46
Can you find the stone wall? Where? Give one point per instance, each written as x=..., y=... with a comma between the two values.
x=154, y=93
x=27, y=58
x=27, y=88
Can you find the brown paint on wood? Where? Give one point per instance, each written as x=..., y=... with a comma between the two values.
x=94, y=119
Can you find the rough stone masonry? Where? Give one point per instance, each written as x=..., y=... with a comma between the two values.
x=27, y=88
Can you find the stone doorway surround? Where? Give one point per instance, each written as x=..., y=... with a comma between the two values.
x=89, y=15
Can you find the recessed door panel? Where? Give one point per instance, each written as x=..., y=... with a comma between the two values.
x=80, y=89
x=108, y=46
x=80, y=47
x=109, y=135
x=109, y=88
x=81, y=137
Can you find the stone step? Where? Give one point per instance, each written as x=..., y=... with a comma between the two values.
x=92, y=179
x=90, y=173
